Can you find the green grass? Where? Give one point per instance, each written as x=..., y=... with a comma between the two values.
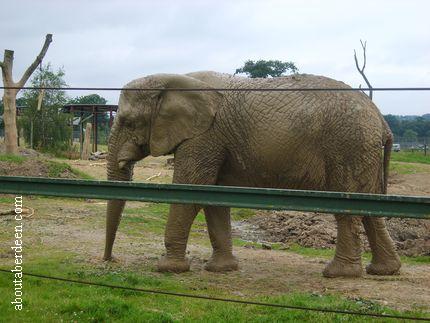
x=151, y=217
x=242, y=214
x=7, y=199
x=12, y=159
x=411, y=157
x=408, y=168
x=56, y=169
x=49, y=301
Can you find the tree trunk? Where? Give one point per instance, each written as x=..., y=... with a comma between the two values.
x=87, y=142
x=9, y=118
x=9, y=96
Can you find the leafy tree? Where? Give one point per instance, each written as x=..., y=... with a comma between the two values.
x=88, y=99
x=264, y=69
x=410, y=135
x=47, y=129
x=400, y=124
x=394, y=123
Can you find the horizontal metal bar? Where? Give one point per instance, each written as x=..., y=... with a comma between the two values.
x=255, y=198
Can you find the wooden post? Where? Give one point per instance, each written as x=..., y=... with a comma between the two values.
x=95, y=135
x=87, y=142
x=81, y=134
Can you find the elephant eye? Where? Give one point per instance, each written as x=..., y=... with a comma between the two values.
x=127, y=123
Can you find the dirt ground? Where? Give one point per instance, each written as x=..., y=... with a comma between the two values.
x=316, y=230
x=262, y=272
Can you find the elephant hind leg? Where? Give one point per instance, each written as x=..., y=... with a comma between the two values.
x=353, y=176
x=347, y=260
x=385, y=260
x=219, y=228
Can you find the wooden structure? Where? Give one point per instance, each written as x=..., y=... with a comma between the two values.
x=90, y=112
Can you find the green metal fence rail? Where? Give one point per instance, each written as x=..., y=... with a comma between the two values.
x=256, y=198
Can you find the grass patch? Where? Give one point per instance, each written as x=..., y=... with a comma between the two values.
x=56, y=169
x=150, y=217
x=12, y=158
x=417, y=260
x=367, y=256
x=311, y=252
x=49, y=301
x=7, y=199
x=154, y=216
x=411, y=157
x=408, y=168
x=242, y=214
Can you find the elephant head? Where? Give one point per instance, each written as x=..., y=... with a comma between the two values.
x=153, y=123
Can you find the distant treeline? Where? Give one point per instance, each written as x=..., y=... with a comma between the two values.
x=409, y=127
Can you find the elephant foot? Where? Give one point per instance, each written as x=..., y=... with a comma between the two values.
x=222, y=263
x=337, y=268
x=173, y=265
x=384, y=268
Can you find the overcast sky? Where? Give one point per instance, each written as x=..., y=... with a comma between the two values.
x=108, y=43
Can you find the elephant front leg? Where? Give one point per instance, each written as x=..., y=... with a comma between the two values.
x=219, y=228
x=177, y=231
x=385, y=260
x=347, y=260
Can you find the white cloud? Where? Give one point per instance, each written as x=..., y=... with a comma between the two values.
x=108, y=43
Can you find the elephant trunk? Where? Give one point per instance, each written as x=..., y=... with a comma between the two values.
x=115, y=207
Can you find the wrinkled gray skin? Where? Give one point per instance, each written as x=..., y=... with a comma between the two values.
x=298, y=140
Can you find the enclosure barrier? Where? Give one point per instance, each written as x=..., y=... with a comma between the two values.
x=255, y=198
x=259, y=198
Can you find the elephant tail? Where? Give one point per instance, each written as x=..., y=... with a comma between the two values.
x=388, y=144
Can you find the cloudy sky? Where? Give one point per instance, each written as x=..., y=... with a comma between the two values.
x=108, y=43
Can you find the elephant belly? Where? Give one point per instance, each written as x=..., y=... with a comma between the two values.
x=305, y=172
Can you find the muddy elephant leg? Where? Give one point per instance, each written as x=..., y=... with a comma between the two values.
x=219, y=227
x=385, y=260
x=178, y=227
x=347, y=260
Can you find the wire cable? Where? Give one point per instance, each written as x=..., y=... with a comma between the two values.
x=217, y=89
x=209, y=298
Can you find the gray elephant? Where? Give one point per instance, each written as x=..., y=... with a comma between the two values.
x=310, y=140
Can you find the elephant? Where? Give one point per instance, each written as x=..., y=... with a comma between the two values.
x=307, y=140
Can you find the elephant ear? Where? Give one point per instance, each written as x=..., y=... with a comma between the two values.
x=181, y=115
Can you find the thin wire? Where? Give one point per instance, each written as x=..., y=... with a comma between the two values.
x=144, y=290
x=217, y=89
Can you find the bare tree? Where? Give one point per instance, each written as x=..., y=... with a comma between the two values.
x=9, y=95
x=361, y=70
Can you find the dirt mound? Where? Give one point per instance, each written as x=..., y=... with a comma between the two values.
x=26, y=152
x=35, y=167
x=316, y=230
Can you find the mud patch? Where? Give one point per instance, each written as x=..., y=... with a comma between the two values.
x=316, y=230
